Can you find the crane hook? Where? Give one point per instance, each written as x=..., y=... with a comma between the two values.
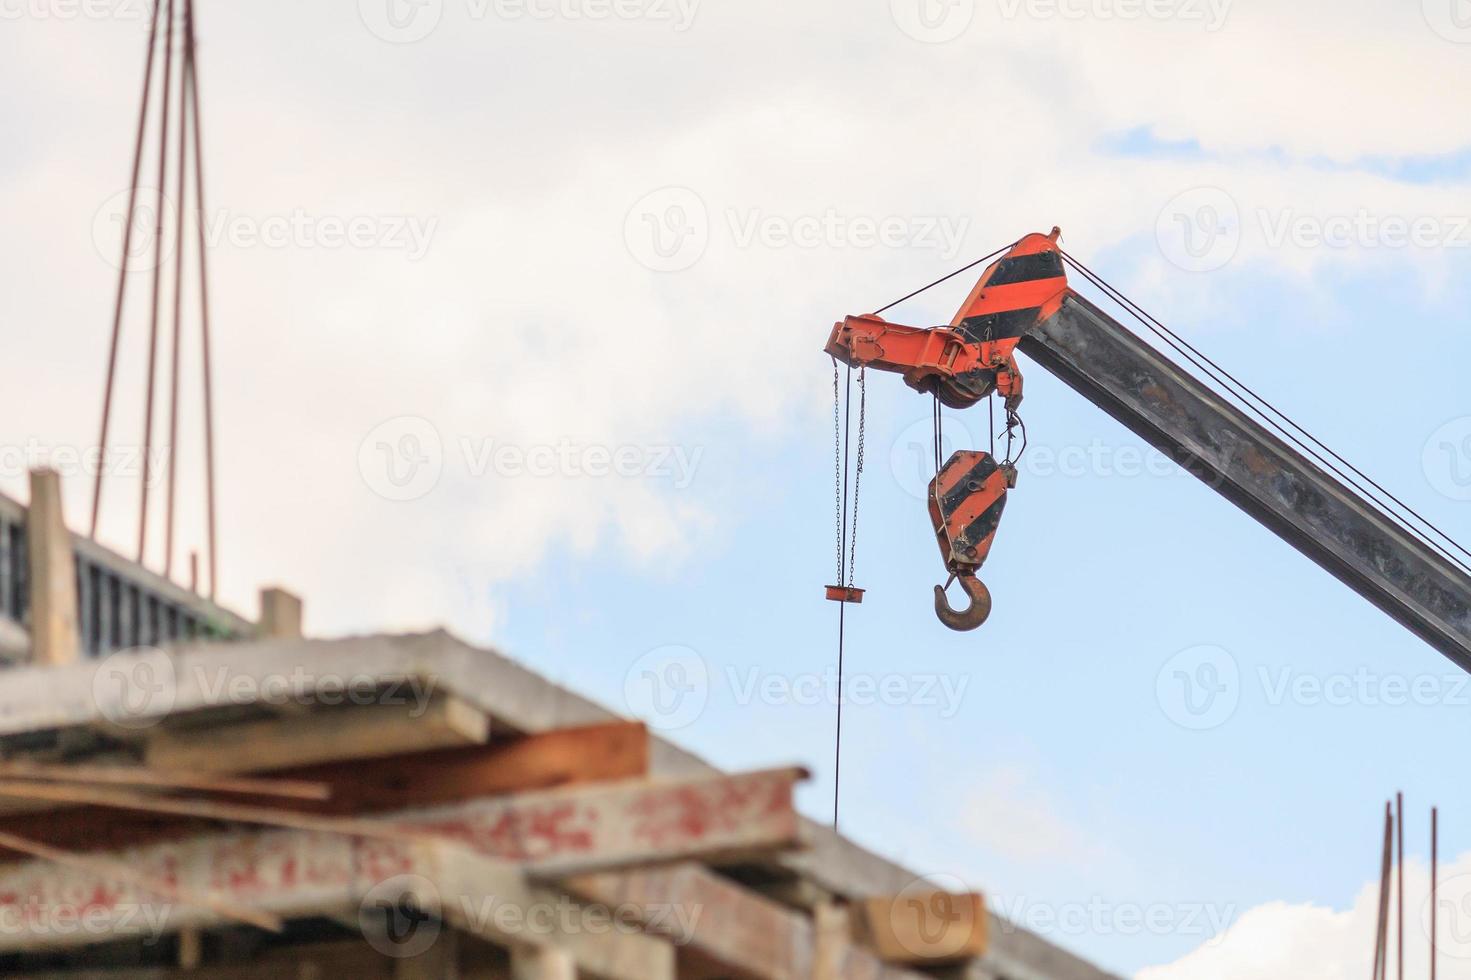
x=973, y=615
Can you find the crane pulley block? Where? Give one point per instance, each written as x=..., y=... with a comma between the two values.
x=966, y=499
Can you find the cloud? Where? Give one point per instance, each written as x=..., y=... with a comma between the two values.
x=1008, y=814
x=843, y=162
x=1285, y=941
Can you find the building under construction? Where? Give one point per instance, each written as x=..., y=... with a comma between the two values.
x=186, y=793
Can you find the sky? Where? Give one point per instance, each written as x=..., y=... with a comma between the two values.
x=519, y=308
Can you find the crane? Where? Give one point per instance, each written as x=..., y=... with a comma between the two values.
x=1023, y=302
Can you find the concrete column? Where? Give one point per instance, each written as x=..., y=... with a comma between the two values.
x=280, y=615
x=55, y=637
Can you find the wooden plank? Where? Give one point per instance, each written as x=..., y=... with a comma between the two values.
x=357, y=732
x=577, y=831
x=128, y=775
x=119, y=872
x=494, y=901
x=568, y=757
x=553, y=833
x=746, y=934
x=285, y=874
x=924, y=927
x=55, y=637
x=210, y=810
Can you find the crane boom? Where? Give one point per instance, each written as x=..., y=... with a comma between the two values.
x=1236, y=455
x=1023, y=303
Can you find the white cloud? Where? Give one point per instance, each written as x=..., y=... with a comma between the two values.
x=1008, y=814
x=1284, y=941
x=530, y=321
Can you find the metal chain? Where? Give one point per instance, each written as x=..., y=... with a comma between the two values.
x=857, y=475
x=837, y=474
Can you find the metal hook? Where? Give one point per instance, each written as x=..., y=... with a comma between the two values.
x=973, y=615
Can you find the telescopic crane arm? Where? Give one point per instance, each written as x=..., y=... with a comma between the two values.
x=1023, y=302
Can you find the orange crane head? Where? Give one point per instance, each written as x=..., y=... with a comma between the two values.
x=960, y=364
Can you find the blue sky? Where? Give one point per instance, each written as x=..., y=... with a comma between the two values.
x=587, y=238
x=1101, y=575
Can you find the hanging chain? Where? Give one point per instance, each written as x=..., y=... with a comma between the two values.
x=837, y=474
x=857, y=474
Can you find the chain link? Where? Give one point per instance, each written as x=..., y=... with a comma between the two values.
x=837, y=474
x=857, y=475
